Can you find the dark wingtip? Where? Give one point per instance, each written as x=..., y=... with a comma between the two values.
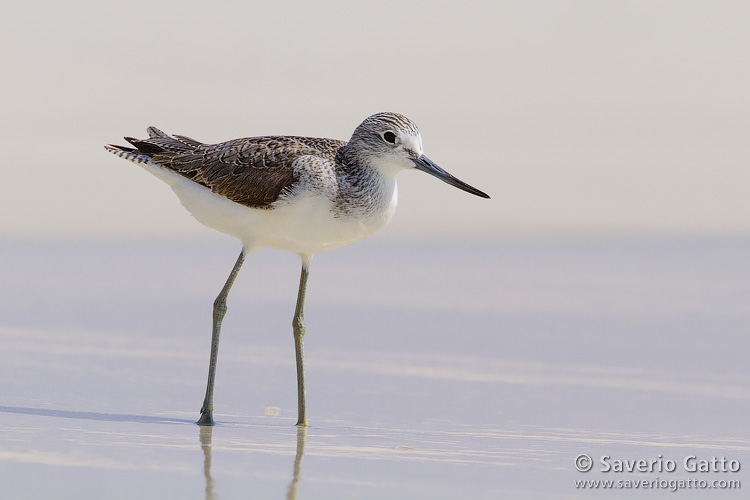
x=144, y=147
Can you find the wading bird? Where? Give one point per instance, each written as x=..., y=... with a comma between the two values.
x=300, y=194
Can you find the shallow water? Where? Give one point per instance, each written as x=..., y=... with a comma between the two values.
x=435, y=369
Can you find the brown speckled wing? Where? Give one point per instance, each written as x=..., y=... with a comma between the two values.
x=252, y=171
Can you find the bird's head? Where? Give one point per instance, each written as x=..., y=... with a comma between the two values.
x=390, y=143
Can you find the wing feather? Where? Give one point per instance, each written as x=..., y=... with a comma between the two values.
x=252, y=171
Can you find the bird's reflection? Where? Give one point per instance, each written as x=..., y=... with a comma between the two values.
x=291, y=492
x=205, y=439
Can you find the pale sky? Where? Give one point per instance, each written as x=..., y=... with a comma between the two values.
x=577, y=117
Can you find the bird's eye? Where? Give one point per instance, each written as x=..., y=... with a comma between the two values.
x=389, y=137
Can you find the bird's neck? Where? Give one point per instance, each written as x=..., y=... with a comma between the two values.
x=374, y=192
x=347, y=160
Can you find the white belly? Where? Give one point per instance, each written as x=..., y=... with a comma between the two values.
x=305, y=226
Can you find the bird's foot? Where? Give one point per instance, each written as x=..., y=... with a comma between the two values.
x=207, y=418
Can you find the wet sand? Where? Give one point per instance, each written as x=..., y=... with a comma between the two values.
x=435, y=369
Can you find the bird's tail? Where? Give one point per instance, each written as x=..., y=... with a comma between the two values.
x=157, y=143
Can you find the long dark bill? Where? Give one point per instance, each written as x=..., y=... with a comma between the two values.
x=425, y=165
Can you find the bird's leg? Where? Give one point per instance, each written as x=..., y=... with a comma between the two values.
x=298, y=327
x=220, y=309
